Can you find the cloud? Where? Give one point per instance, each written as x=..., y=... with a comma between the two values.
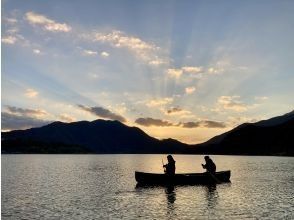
x=190, y=90
x=197, y=71
x=178, y=112
x=159, y=102
x=93, y=75
x=46, y=23
x=66, y=118
x=103, y=113
x=10, y=20
x=12, y=30
x=174, y=73
x=153, y=122
x=25, y=112
x=174, y=110
x=10, y=33
x=147, y=122
x=261, y=98
x=157, y=62
x=224, y=65
x=215, y=70
x=89, y=53
x=13, y=122
x=203, y=124
x=232, y=103
x=21, y=118
x=9, y=40
x=177, y=73
x=104, y=54
x=234, y=121
x=192, y=69
x=37, y=51
x=213, y=124
x=221, y=66
x=31, y=93
x=147, y=52
x=120, y=39
x=190, y=124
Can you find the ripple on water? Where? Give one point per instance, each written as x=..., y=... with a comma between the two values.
x=103, y=187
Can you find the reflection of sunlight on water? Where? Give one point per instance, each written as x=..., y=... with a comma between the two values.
x=203, y=200
x=102, y=187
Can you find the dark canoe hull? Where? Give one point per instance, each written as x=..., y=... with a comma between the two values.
x=182, y=179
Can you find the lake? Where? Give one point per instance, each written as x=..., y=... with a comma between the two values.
x=104, y=187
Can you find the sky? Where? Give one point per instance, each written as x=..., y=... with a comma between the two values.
x=187, y=70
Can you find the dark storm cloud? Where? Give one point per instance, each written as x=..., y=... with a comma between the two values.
x=103, y=113
x=153, y=122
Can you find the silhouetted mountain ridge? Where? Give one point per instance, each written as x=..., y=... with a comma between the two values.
x=99, y=136
x=268, y=137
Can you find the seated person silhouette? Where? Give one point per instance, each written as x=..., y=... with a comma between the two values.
x=209, y=166
x=170, y=167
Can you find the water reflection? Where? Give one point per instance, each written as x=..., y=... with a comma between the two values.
x=170, y=194
x=171, y=198
x=102, y=187
x=211, y=196
x=169, y=191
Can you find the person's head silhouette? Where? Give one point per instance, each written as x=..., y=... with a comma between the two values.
x=170, y=159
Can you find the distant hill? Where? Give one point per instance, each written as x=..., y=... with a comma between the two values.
x=98, y=136
x=274, y=136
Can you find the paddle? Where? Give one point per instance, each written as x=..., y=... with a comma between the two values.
x=163, y=165
x=214, y=177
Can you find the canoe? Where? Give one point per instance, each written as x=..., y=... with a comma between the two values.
x=182, y=178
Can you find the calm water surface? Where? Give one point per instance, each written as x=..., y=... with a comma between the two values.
x=104, y=187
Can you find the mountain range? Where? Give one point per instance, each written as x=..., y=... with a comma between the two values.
x=274, y=136
x=99, y=136
x=268, y=137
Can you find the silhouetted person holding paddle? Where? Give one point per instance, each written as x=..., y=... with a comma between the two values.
x=209, y=166
x=170, y=167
